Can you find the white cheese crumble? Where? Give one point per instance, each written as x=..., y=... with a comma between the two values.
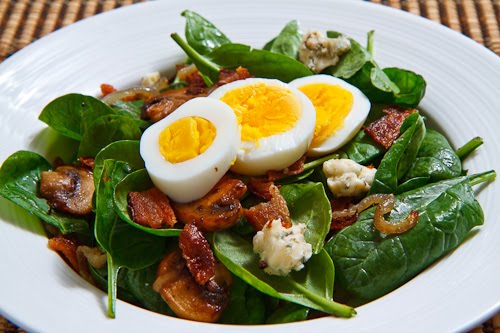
x=150, y=79
x=318, y=52
x=347, y=178
x=282, y=249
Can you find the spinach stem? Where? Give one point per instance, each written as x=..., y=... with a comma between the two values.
x=200, y=61
x=467, y=149
x=112, y=271
x=369, y=44
x=479, y=178
x=320, y=161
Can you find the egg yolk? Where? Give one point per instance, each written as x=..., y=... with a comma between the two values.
x=263, y=110
x=332, y=103
x=186, y=138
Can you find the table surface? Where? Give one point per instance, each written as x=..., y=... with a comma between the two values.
x=23, y=21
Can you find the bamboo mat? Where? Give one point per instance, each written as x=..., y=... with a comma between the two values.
x=23, y=21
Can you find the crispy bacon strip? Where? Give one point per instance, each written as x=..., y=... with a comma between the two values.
x=293, y=169
x=385, y=130
x=185, y=296
x=87, y=162
x=151, y=208
x=68, y=189
x=264, y=212
x=197, y=253
x=218, y=210
x=340, y=222
x=227, y=76
x=67, y=247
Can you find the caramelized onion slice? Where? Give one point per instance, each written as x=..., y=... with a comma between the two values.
x=360, y=207
x=185, y=297
x=392, y=227
x=68, y=189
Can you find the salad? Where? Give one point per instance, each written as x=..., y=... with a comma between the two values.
x=187, y=206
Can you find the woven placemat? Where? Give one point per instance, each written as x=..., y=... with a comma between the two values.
x=23, y=21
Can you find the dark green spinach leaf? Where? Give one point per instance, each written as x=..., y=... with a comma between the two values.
x=351, y=62
x=246, y=305
x=19, y=180
x=308, y=204
x=400, y=157
x=288, y=41
x=105, y=130
x=288, y=313
x=362, y=149
x=370, y=264
x=311, y=287
x=202, y=35
x=132, y=110
x=72, y=114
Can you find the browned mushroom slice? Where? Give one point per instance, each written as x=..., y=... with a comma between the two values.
x=68, y=189
x=220, y=209
x=151, y=208
x=185, y=297
x=197, y=253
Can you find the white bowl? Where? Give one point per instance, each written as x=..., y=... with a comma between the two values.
x=40, y=293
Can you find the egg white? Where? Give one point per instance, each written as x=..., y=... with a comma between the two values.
x=277, y=151
x=192, y=179
x=352, y=122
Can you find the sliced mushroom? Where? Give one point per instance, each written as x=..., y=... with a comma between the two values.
x=185, y=297
x=160, y=106
x=68, y=189
x=220, y=209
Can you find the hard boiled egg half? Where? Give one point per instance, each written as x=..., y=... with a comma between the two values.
x=189, y=151
x=277, y=123
x=341, y=110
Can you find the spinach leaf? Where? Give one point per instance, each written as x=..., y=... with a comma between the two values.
x=246, y=305
x=139, y=283
x=351, y=62
x=100, y=277
x=370, y=264
x=362, y=149
x=268, y=45
x=259, y=62
x=288, y=41
x=288, y=313
x=411, y=87
x=123, y=150
x=126, y=246
x=311, y=287
x=202, y=35
x=105, y=130
x=308, y=204
x=137, y=181
x=435, y=161
x=132, y=110
x=19, y=179
x=72, y=114
x=400, y=157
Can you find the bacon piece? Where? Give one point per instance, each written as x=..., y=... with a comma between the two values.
x=67, y=247
x=185, y=296
x=339, y=204
x=218, y=210
x=107, y=89
x=87, y=162
x=294, y=169
x=227, y=76
x=151, y=208
x=160, y=106
x=260, y=187
x=68, y=189
x=385, y=130
x=197, y=253
x=264, y=212
x=195, y=80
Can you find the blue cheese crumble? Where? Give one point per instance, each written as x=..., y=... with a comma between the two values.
x=282, y=249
